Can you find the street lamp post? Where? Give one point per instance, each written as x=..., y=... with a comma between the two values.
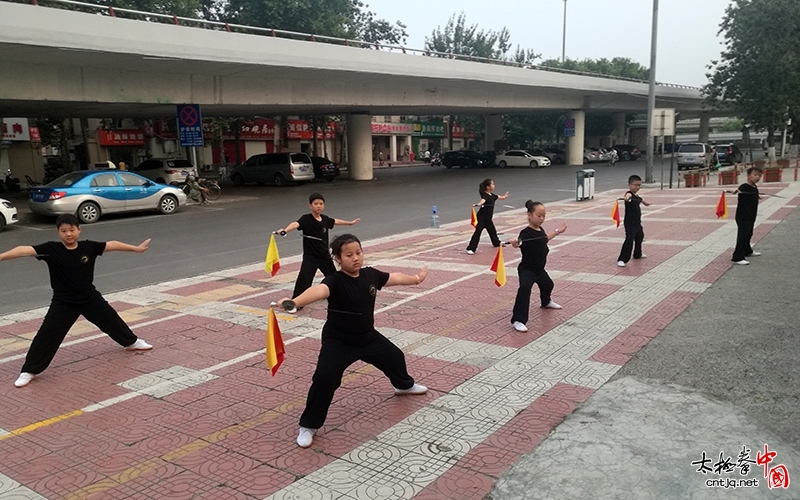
x=651, y=96
x=564, y=35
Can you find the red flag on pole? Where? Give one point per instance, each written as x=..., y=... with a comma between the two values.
x=722, y=207
x=615, y=212
x=274, y=349
x=499, y=267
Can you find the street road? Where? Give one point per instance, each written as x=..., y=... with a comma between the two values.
x=236, y=229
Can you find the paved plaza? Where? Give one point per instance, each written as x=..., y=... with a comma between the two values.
x=200, y=416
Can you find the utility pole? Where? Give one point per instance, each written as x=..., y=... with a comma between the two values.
x=651, y=96
x=564, y=35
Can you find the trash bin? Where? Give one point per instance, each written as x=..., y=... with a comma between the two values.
x=584, y=186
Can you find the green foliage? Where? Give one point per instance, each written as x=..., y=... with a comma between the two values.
x=182, y=8
x=759, y=70
x=458, y=38
x=524, y=131
x=733, y=126
x=618, y=66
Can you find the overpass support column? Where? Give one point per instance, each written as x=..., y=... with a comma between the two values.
x=619, y=128
x=575, y=143
x=359, y=147
x=703, y=127
x=493, y=131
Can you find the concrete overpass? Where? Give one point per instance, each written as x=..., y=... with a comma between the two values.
x=62, y=63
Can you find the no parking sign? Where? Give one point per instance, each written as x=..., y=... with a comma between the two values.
x=190, y=125
x=569, y=127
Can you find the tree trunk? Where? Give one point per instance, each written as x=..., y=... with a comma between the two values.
x=63, y=144
x=314, y=131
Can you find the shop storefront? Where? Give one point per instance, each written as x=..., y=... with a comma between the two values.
x=391, y=141
x=122, y=145
x=428, y=136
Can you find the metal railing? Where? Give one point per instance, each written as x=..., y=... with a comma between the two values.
x=110, y=11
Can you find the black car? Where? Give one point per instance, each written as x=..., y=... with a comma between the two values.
x=324, y=168
x=729, y=154
x=627, y=152
x=465, y=158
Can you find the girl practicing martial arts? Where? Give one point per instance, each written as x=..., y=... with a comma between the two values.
x=533, y=242
x=349, y=333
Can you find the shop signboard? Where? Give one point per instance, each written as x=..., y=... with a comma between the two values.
x=393, y=128
x=429, y=129
x=16, y=129
x=301, y=129
x=121, y=137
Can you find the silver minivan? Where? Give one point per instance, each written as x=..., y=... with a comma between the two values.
x=693, y=155
x=274, y=168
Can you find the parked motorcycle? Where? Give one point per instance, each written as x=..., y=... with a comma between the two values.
x=11, y=184
x=436, y=160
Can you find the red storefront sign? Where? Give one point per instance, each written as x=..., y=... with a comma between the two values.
x=258, y=130
x=35, y=136
x=122, y=137
x=461, y=132
x=393, y=128
x=301, y=129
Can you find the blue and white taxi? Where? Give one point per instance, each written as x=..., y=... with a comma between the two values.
x=91, y=193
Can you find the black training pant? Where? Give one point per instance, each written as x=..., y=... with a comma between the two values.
x=634, y=236
x=60, y=318
x=308, y=269
x=487, y=224
x=744, y=234
x=334, y=358
x=527, y=278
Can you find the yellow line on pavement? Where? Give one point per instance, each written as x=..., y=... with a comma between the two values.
x=40, y=424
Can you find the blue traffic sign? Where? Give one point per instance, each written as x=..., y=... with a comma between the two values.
x=569, y=127
x=190, y=125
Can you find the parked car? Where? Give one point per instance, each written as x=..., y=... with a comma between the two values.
x=276, y=168
x=324, y=168
x=464, y=158
x=729, y=154
x=8, y=214
x=550, y=155
x=92, y=193
x=693, y=155
x=520, y=158
x=166, y=170
x=590, y=155
x=559, y=155
x=627, y=152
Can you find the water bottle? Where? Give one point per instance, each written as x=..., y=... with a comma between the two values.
x=434, y=219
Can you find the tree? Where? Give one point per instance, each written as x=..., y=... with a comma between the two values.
x=347, y=19
x=458, y=38
x=618, y=66
x=758, y=73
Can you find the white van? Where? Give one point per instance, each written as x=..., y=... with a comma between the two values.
x=274, y=168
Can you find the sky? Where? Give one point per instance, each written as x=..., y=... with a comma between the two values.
x=687, y=29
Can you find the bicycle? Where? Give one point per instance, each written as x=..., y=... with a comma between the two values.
x=213, y=190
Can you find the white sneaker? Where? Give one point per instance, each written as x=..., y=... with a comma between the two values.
x=413, y=390
x=754, y=254
x=642, y=257
x=553, y=305
x=741, y=262
x=520, y=327
x=470, y=252
x=620, y=263
x=305, y=437
x=139, y=345
x=24, y=379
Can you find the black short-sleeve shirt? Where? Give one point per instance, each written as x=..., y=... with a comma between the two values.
x=534, y=248
x=351, y=305
x=71, y=271
x=633, y=210
x=747, y=205
x=487, y=209
x=316, y=229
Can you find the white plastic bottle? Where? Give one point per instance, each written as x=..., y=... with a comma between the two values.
x=434, y=219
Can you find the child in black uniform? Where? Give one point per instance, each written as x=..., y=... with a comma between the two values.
x=349, y=333
x=746, y=212
x=634, y=232
x=533, y=242
x=315, y=228
x=485, y=214
x=71, y=265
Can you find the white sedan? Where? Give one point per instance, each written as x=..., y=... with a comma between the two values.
x=520, y=158
x=8, y=214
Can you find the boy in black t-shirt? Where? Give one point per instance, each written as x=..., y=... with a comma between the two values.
x=349, y=333
x=634, y=232
x=746, y=212
x=315, y=228
x=71, y=265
